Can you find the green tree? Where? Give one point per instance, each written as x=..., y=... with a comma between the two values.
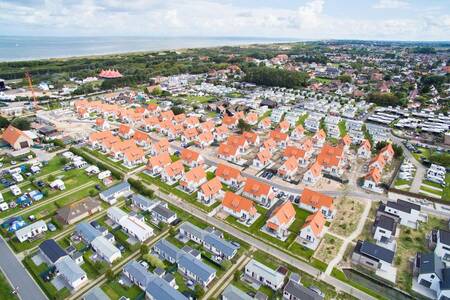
x=109, y=274
x=243, y=126
x=21, y=123
x=157, y=91
x=154, y=261
x=345, y=78
x=144, y=249
x=92, y=193
x=199, y=291
x=276, y=77
x=4, y=122
x=178, y=110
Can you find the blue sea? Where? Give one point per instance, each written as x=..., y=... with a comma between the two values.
x=15, y=48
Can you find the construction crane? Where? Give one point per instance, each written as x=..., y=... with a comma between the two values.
x=30, y=85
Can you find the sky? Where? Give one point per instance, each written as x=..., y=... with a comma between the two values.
x=421, y=20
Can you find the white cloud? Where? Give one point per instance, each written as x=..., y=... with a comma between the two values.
x=215, y=18
x=391, y=4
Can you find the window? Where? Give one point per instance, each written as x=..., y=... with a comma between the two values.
x=382, y=231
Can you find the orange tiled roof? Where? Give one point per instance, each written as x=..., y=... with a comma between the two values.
x=264, y=155
x=236, y=140
x=284, y=125
x=192, y=121
x=99, y=122
x=316, y=221
x=266, y=122
x=320, y=135
x=346, y=140
x=292, y=151
x=174, y=168
x=388, y=149
x=374, y=175
x=228, y=149
x=228, y=121
x=380, y=159
x=269, y=143
x=160, y=160
x=167, y=115
x=330, y=156
x=251, y=137
x=278, y=136
x=238, y=203
x=366, y=145
x=179, y=118
x=206, y=137
x=196, y=174
x=207, y=126
x=257, y=188
x=227, y=172
x=222, y=129
x=124, y=129
x=291, y=164
x=211, y=187
x=316, y=168
x=282, y=215
x=133, y=153
x=12, y=134
x=299, y=128
x=140, y=136
x=190, y=133
x=252, y=118
x=316, y=199
x=152, y=107
x=189, y=155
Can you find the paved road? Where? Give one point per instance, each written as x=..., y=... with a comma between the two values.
x=19, y=277
x=258, y=244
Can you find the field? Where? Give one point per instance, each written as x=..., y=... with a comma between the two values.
x=328, y=249
x=409, y=243
x=348, y=214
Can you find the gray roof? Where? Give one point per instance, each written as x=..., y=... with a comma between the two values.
x=158, y=288
x=266, y=272
x=138, y=272
x=52, y=250
x=142, y=201
x=120, y=187
x=445, y=279
x=430, y=263
x=196, y=266
x=224, y=246
x=87, y=231
x=163, y=211
x=194, y=230
x=375, y=251
x=386, y=222
x=444, y=236
x=70, y=270
x=169, y=249
x=96, y=294
x=105, y=247
x=404, y=206
x=301, y=292
x=233, y=293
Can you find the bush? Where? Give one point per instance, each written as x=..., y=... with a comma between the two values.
x=154, y=261
x=140, y=188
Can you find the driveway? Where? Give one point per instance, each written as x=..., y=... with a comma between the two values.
x=17, y=274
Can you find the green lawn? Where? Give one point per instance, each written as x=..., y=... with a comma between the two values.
x=191, y=198
x=117, y=164
x=342, y=128
x=302, y=119
x=265, y=115
x=5, y=289
x=307, y=280
x=45, y=213
x=446, y=192
x=115, y=290
x=255, y=230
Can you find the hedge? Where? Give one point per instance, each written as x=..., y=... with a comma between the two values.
x=139, y=186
